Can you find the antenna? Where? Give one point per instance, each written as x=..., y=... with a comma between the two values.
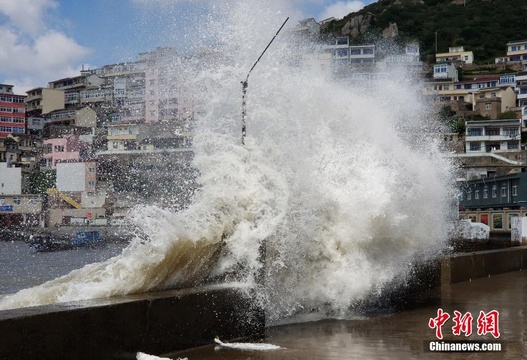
x=245, y=84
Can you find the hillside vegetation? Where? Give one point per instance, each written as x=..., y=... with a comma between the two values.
x=482, y=26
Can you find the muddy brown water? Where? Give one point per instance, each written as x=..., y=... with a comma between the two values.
x=401, y=335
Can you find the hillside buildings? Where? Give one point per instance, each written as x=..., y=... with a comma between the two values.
x=86, y=148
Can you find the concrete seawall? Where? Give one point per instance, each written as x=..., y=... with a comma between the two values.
x=164, y=322
x=117, y=328
x=468, y=266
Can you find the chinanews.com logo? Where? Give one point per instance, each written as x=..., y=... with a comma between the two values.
x=486, y=323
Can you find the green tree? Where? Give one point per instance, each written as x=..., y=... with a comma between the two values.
x=454, y=123
x=41, y=181
x=507, y=115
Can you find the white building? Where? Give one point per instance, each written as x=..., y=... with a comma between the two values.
x=455, y=54
x=10, y=180
x=445, y=71
x=76, y=176
x=493, y=136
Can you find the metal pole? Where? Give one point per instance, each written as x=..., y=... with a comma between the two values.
x=244, y=110
x=245, y=84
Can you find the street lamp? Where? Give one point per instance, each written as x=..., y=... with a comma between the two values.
x=246, y=83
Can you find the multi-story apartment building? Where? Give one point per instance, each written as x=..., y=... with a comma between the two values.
x=22, y=150
x=492, y=147
x=67, y=148
x=362, y=54
x=409, y=59
x=12, y=111
x=495, y=200
x=72, y=86
x=144, y=139
x=72, y=117
x=456, y=54
x=517, y=50
x=493, y=136
x=491, y=102
x=41, y=101
x=446, y=72
x=167, y=98
x=450, y=90
x=516, y=54
x=122, y=137
x=127, y=80
x=521, y=88
x=345, y=54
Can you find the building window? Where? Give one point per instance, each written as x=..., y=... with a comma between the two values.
x=469, y=194
x=115, y=145
x=355, y=51
x=91, y=169
x=441, y=68
x=91, y=184
x=16, y=200
x=485, y=192
x=510, y=131
x=474, y=131
x=494, y=191
x=58, y=148
x=493, y=146
x=513, y=145
x=503, y=191
x=475, y=146
x=515, y=190
x=340, y=53
x=476, y=194
x=342, y=41
x=492, y=131
x=488, y=106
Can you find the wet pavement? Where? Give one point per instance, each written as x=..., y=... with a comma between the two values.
x=404, y=335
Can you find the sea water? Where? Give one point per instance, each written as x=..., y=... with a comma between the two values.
x=343, y=185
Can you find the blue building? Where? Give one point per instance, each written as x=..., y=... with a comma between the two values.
x=497, y=192
x=495, y=200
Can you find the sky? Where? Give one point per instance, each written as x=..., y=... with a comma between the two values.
x=46, y=40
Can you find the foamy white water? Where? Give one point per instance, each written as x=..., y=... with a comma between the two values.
x=247, y=346
x=144, y=356
x=345, y=186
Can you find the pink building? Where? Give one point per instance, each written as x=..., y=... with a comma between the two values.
x=166, y=97
x=68, y=148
